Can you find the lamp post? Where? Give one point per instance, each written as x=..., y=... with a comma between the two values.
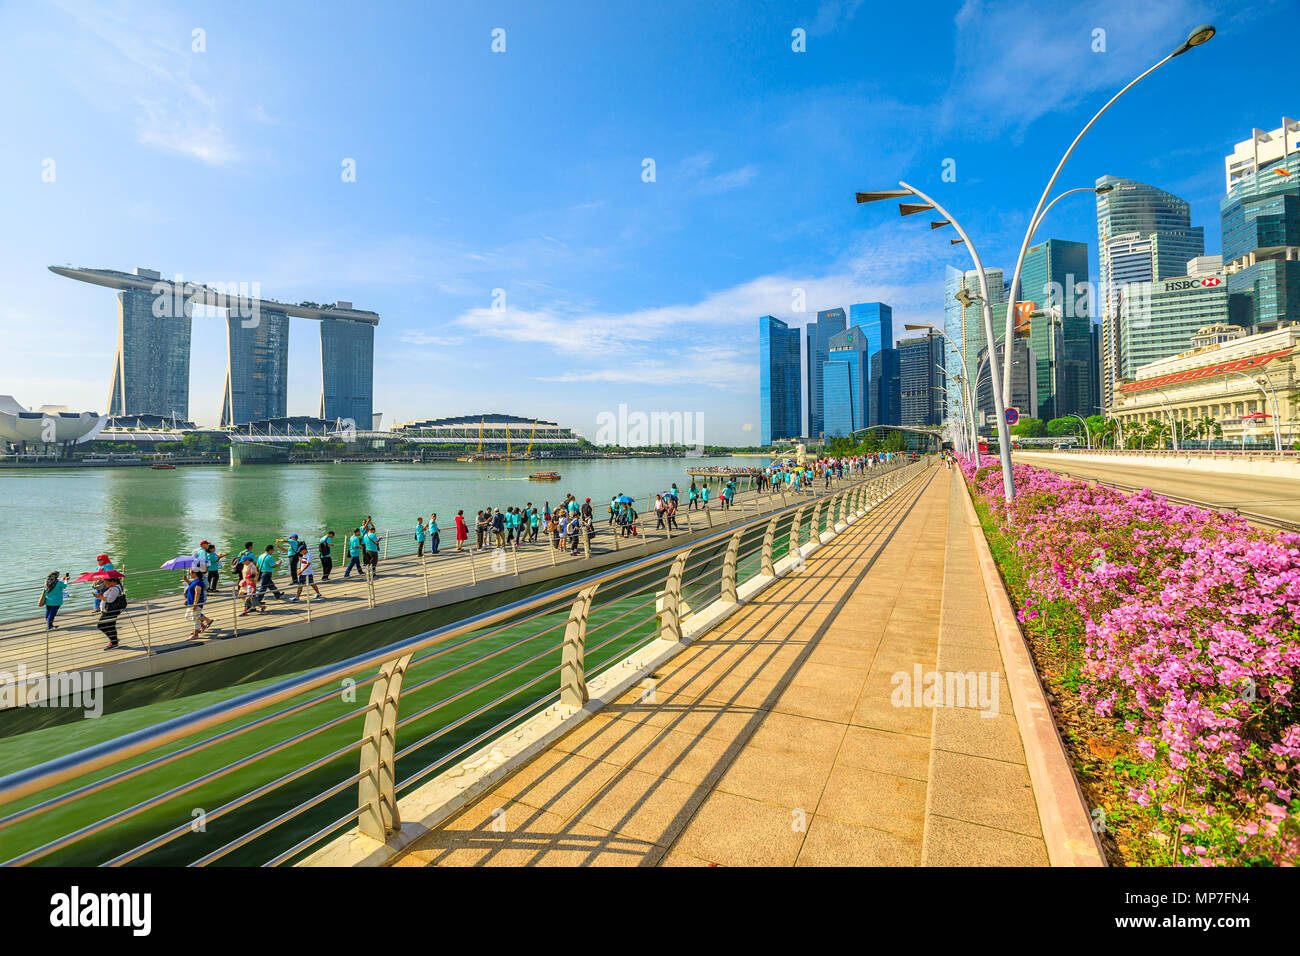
x=1277, y=428
x=965, y=382
x=1086, y=431
x=1198, y=36
x=1173, y=424
x=907, y=209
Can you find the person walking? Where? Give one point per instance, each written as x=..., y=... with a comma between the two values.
x=52, y=597
x=370, y=541
x=354, y=553
x=213, y=560
x=326, y=551
x=499, y=527
x=111, y=601
x=102, y=564
x=266, y=565
x=480, y=529
x=433, y=533
x=292, y=545
x=421, y=533
x=305, y=578
x=248, y=588
x=196, y=595
x=462, y=532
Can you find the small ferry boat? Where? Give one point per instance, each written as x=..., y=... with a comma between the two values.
x=162, y=466
x=544, y=476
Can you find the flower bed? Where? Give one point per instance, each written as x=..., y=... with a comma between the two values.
x=1167, y=636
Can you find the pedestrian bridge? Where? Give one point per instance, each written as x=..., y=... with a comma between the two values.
x=345, y=755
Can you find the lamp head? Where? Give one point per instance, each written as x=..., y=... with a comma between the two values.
x=1200, y=35
x=1104, y=189
x=965, y=298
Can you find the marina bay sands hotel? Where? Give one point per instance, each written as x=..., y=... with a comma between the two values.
x=151, y=371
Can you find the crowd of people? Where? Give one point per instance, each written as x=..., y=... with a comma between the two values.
x=569, y=525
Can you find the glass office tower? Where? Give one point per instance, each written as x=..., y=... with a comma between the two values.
x=1132, y=214
x=966, y=325
x=829, y=322
x=844, y=387
x=347, y=353
x=1055, y=280
x=257, y=367
x=151, y=370
x=921, y=381
x=780, y=412
x=1261, y=241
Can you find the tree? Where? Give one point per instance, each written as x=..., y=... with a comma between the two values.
x=1060, y=427
x=1029, y=428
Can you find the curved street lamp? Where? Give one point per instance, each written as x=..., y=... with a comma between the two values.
x=1198, y=36
x=1173, y=423
x=907, y=209
x=1277, y=428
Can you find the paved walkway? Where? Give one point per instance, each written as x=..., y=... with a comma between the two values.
x=774, y=740
x=160, y=624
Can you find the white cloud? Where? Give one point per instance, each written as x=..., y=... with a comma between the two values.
x=731, y=180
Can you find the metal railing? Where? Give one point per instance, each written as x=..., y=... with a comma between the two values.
x=1223, y=453
x=269, y=775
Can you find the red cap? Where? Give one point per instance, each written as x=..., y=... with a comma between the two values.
x=102, y=559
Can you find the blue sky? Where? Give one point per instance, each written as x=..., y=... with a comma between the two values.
x=522, y=171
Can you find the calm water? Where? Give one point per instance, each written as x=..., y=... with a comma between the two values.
x=60, y=519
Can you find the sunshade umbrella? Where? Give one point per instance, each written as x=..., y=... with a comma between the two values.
x=625, y=499
x=99, y=576
x=182, y=563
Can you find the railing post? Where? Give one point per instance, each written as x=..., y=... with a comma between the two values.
x=234, y=606
x=796, y=529
x=148, y=630
x=514, y=555
x=370, y=585
x=670, y=621
x=386, y=536
x=768, y=566
x=424, y=572
x=376, y=791
x=815, y=530
x=473, y=574
x=573, y=667
x=729, y=562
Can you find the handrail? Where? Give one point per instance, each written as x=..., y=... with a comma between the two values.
x=402, y=655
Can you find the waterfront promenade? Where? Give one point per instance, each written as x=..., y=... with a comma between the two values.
x=155, y=632
x=774, y=739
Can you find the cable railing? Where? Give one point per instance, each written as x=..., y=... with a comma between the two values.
x=266, y=777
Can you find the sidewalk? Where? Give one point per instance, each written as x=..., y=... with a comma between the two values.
x=775, y=740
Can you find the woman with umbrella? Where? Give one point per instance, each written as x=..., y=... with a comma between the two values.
x=101, y=564
x=112, y=600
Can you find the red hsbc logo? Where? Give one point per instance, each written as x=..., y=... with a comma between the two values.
x=1211, y=280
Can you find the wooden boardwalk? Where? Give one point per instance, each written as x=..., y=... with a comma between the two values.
x=159, y=625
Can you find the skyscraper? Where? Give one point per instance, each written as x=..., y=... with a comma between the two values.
x=966, y=324
x=151, y=370
x=829, y=322
x=1261, y=228
x=845, y=383
x=883, y=389
x=347, y=351
x=921, y=381
x=780, y=414
x=257, y=368
x=1143, y=234
x=1055, y=280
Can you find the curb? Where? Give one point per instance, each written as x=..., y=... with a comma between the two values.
x=1062, y=810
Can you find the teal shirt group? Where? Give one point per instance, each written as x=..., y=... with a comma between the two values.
x=354, y=546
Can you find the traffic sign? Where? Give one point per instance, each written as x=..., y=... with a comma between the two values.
x=1013, y=414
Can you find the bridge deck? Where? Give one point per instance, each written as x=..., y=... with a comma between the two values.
x=773, y=740
x=160, y=624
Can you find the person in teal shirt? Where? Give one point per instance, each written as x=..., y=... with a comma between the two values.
x=420, y=535
x=266, y=565
x=370, y=542
x=433, y=533
x=52, y=597
x=354, y=552
x=704, y=497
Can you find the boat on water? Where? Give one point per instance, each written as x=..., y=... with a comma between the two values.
x=162, y=466
x=544, y=476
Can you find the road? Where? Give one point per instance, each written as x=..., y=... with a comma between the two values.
x=1276, y=498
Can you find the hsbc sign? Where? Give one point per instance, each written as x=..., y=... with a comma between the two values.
x=1182, y=285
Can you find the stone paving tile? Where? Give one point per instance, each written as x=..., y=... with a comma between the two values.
x=967, y=730
x=878, y=800
x=991, y=793
x=788, y=780
x=737, y=831
x=833, y=842
x=903, y=755
x=958, y=843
